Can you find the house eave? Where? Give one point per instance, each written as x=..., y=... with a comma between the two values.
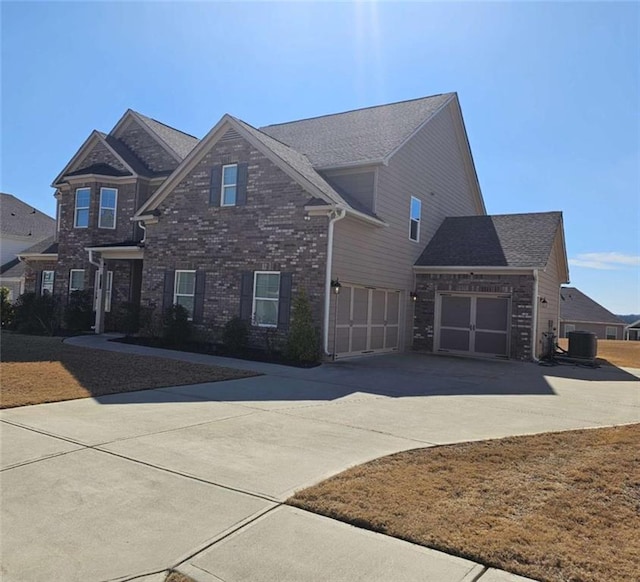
x=485, y=270
x=38, y=256
x=355, y=214
x=113, y=253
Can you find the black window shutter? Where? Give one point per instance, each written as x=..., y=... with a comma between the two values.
x=38, y=283
x=167, y=296
x=216, y=185
x=241, y=194
x=246, y=296
x=284, y=305
x=198, y=307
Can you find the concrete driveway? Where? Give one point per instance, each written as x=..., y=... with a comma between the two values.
x=125, y=486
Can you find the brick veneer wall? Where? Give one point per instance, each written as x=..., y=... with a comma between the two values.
x=31, y=274
x=146, y=148
x=99, y=154
x=269, y=233
x=520, y=287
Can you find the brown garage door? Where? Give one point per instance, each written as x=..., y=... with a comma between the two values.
x=368, y=320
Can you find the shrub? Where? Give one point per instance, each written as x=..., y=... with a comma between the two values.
x=235, y=335
x=6, y=308
x=302, y=342
x=37, y=314
x=125, y=318
x=78, y=314
x=176, y=327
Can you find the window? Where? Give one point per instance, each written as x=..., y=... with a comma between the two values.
x=76, y=280
x=414, y=219
x=96, y=290
x=83, y=199
x=229, y=185
x=266, y=294
x=108, y=200
x=47, y=282
x=568, y=327
x=611, y=332
x=185, y=290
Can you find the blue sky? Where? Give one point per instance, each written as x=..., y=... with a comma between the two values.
x=550, y=93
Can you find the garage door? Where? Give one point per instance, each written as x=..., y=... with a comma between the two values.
x=368, y=321
x=473, y=324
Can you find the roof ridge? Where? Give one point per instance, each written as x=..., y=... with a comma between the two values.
x=356, y=109
x=146, y=117
x=504, y=214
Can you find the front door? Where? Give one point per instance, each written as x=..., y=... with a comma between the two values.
x=473, y=324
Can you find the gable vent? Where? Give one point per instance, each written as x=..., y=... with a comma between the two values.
x=230, y=135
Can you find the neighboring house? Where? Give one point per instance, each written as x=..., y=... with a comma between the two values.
x=236, y=224
x=632, y=331
x=21, y=226
x=578, y=312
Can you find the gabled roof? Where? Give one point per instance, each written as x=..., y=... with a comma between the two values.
x=576, y=306
x=13, y=269
x=48, y=246
x=362, y=136
x=504, y=240
x=100, y=169
x=19, y=219
x=179, y=142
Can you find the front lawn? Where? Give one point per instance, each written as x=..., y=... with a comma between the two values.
x=36, y=369
x=614, y=352
x=556, y=507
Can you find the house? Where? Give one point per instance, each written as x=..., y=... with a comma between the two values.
x=345, y=206
x=21, y=226
x=578, y=312
x=632, y=331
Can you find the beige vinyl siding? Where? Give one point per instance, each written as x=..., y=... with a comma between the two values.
x=431, y=167
x=599, y=329
x=358, y=184
x=549, y=281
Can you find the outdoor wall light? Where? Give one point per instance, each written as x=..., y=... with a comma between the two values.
x=543, y=300
x=413, y=295
x=336, y=285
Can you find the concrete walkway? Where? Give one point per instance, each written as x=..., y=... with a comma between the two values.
x=129, y=485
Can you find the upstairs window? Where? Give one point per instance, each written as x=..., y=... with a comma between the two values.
x=266, y=295
x=83, y=199
x=76, y=280
x=414, y=219
x=185, y=290
x=108, y=202
x=46, y=286
x=229, y=185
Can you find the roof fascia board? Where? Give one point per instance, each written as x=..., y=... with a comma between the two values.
x=205, y=144
x=393, y=152
x=101, y=178
x=474, y=269
x=83, y=149
x=349, y=165
x=360, y=216
x=38, y=256
x=563, y=253
x=118, y=252
x=564, y=320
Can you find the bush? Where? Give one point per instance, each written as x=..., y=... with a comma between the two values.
x=125, y=318
x=235, y=335
x=37, y=314
x=78, y=314
x=303, y=344
x=176, y=327
x=6, y=309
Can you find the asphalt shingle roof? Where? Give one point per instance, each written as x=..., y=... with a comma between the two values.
x=576, y=306
x=20, y=219
x=101, y=169
x=359, y=136
x=48, y=246
x=181, y=143
x=12, y=269
x=504, y=240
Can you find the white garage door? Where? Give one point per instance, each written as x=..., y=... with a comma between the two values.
x=368, y=321
x=473, y=324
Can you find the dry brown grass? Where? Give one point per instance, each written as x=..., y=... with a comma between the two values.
x=556, y=507
x=43, y=369
x=614, y=352
x=177, y=577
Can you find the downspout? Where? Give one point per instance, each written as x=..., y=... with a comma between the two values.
x=144, y=230
x=534, y=342
x=99, y=322
x=335, y=216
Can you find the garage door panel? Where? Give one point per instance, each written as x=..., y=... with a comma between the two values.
x=378, y=303
x=376, y=338
x=491, y=313
x=454, y=339
x=391, y=337
x=360, y=306
x=358, y=339
x=456, y=311
x=344, y=306
x=342, y=340
x=393, y=308
x=491, y=343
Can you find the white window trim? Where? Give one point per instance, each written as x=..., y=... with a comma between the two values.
x=42, y=288
x=71, y=272
x=76, y=208
x=610, y=327
x=96, y=290
x=277, y=301
x=418, y=220
x=223, y=185
x=568, y=328
x=115, y=209
x=176, y=294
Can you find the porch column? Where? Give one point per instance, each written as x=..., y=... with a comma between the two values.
x=101, y=298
